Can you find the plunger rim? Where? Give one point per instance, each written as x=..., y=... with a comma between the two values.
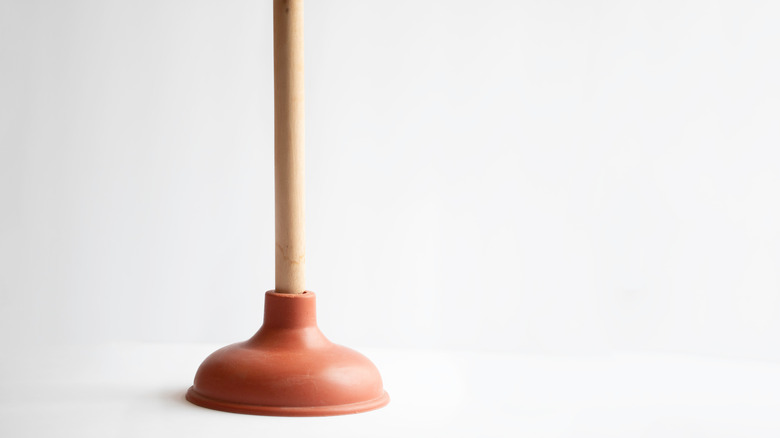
x=286, y=411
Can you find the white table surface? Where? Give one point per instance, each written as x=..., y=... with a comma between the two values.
x=137, y=390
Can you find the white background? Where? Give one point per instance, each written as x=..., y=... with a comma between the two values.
x=553, y=177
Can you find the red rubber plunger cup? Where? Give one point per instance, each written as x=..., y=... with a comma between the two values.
x=288, y=367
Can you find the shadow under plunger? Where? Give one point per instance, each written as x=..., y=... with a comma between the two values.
x=288, y=367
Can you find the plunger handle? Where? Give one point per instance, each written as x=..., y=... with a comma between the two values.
x=288, y=146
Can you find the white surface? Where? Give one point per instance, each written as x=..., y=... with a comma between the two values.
x=603, y=175
x=136, y=390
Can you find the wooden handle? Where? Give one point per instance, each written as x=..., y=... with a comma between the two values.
x=289, y=145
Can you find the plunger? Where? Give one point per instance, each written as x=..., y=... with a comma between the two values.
x=288, y=367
